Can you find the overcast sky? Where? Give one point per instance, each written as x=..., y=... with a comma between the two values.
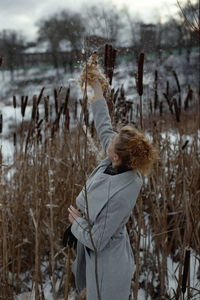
x=23, y=14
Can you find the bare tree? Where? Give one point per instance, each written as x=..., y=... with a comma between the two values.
x=103, y=23
x=63, y=26
x=11, y=45
x=190, y=13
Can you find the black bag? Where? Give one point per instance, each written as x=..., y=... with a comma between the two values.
x=69, y=240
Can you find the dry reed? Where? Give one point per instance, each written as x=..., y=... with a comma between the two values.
x=48, y=175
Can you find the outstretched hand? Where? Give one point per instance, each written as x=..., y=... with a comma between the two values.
x=73, y=214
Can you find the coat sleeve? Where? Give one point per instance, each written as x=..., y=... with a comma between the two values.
x=111, y=217
x=102, y=122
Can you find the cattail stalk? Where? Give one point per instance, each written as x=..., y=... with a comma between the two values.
x=179, y=88
x=40, y=96
x=169, y=102
x=56, y=101
x=14, y=139
x=156, y=90
x=14, y=102
x=140, y=84
x=186, y=270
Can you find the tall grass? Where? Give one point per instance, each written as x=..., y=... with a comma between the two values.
x=48, y=171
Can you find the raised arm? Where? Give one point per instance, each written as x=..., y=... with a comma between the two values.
x=101, y=115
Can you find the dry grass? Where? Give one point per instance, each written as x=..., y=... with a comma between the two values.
x=48, y=171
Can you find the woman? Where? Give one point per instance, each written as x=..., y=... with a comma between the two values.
x=104, y=208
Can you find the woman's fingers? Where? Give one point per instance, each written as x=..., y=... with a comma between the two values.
x=71, y=218
x=75, y=211
x=73, y=214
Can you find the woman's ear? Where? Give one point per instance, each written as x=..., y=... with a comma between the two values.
x=116, y=157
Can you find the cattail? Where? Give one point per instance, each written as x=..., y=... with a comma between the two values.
x=57, y=120
x=92, y=129
x=14, y=102
x=140, y=74
x=161, y=108
x=22, y=104
x=46, y=109
x=75, y=109
x=131, y=113
x=114, y=55
x=116, y=95
x=185, y=270
x=40, y=96
x=106, y=59
x=39, y=123
x=56, y=100
x=179, y=88
x=67, y=119
x=109, y=61
x=185, y=144
x=150, y=106
x=24, y=101
x=167, y=88
x=169, y=103
x=86, y=117
x=14, y=139
x=66, y=102
x=34, y=108
x=156, y=90
x=188, y=97
x=122, y=93
x=177, y=110
x=1, y=123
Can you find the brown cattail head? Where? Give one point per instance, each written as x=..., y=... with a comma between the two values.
x=14, y=102
x=1, y=60
x=66, y=101
x=24, y=101
x=1, y=123
x=67, y=119
x=185, y=144
x=56, y=100
x=169, y=102
x=14, y=139
x=140, y=74
x=177, y=110
x=34, y=108
x=46, y=109
x=179, y=88
x=156, y=90
x=109, y=61
x=40, y=96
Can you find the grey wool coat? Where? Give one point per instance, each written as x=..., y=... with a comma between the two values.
x=110, y=200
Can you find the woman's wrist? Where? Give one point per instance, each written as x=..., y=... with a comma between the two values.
x=98, y=95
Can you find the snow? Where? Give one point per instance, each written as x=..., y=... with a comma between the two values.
x=41, y=47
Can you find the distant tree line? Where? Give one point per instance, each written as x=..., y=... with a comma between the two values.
x=94, y=27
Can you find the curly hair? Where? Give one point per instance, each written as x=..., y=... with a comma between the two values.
x=135, y=150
